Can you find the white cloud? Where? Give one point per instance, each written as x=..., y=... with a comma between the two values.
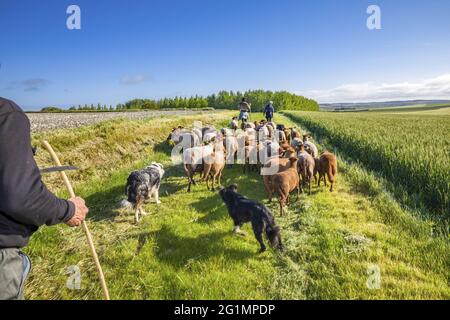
x=436, y=88
x=134, y=79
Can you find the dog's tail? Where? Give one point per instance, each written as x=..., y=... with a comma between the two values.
x=272, y=230
x=125, y=204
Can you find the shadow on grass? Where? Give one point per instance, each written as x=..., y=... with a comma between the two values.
x=249, y=184
x=212, y=206
x=104, y=205
x=163, y=147
x=169, y=185
x=142, y=240
x=180, y=251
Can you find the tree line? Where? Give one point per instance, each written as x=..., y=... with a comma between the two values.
x=282, y=100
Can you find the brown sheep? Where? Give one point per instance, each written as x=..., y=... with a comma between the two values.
x=287, y=134
x=288, y=153
x=327, y=167
x=214, y=165
x=285, y=145
x=295, y=133
x=283, y=163
x=193, y=162
x=306, y=167
x=285, y=182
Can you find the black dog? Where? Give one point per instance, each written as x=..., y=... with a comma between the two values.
x=242, y=210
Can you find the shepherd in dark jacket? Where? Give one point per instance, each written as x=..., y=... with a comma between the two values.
x=25, y=202
x=269, y=110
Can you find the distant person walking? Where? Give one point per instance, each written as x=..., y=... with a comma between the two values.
x=25, y=202
x=244, y=110
x=269, y=110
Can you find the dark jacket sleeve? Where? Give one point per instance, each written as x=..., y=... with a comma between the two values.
x=23, y=196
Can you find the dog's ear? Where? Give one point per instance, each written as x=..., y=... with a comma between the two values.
x=233, y=187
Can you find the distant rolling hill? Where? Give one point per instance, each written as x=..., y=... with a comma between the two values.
x=382, y=105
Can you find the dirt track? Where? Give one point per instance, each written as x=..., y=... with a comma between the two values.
x=50, y=121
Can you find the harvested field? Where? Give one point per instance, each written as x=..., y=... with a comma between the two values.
x=51, y=121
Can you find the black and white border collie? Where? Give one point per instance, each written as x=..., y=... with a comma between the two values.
x=142, y=185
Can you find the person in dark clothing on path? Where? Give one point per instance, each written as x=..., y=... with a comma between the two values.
x=269, y=110
x=25, y=202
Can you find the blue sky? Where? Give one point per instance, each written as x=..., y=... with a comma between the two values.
x=157, y=48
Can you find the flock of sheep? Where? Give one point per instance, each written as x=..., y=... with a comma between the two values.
x=286, y=158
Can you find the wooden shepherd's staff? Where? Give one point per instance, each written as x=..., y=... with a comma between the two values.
x=85, y=226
